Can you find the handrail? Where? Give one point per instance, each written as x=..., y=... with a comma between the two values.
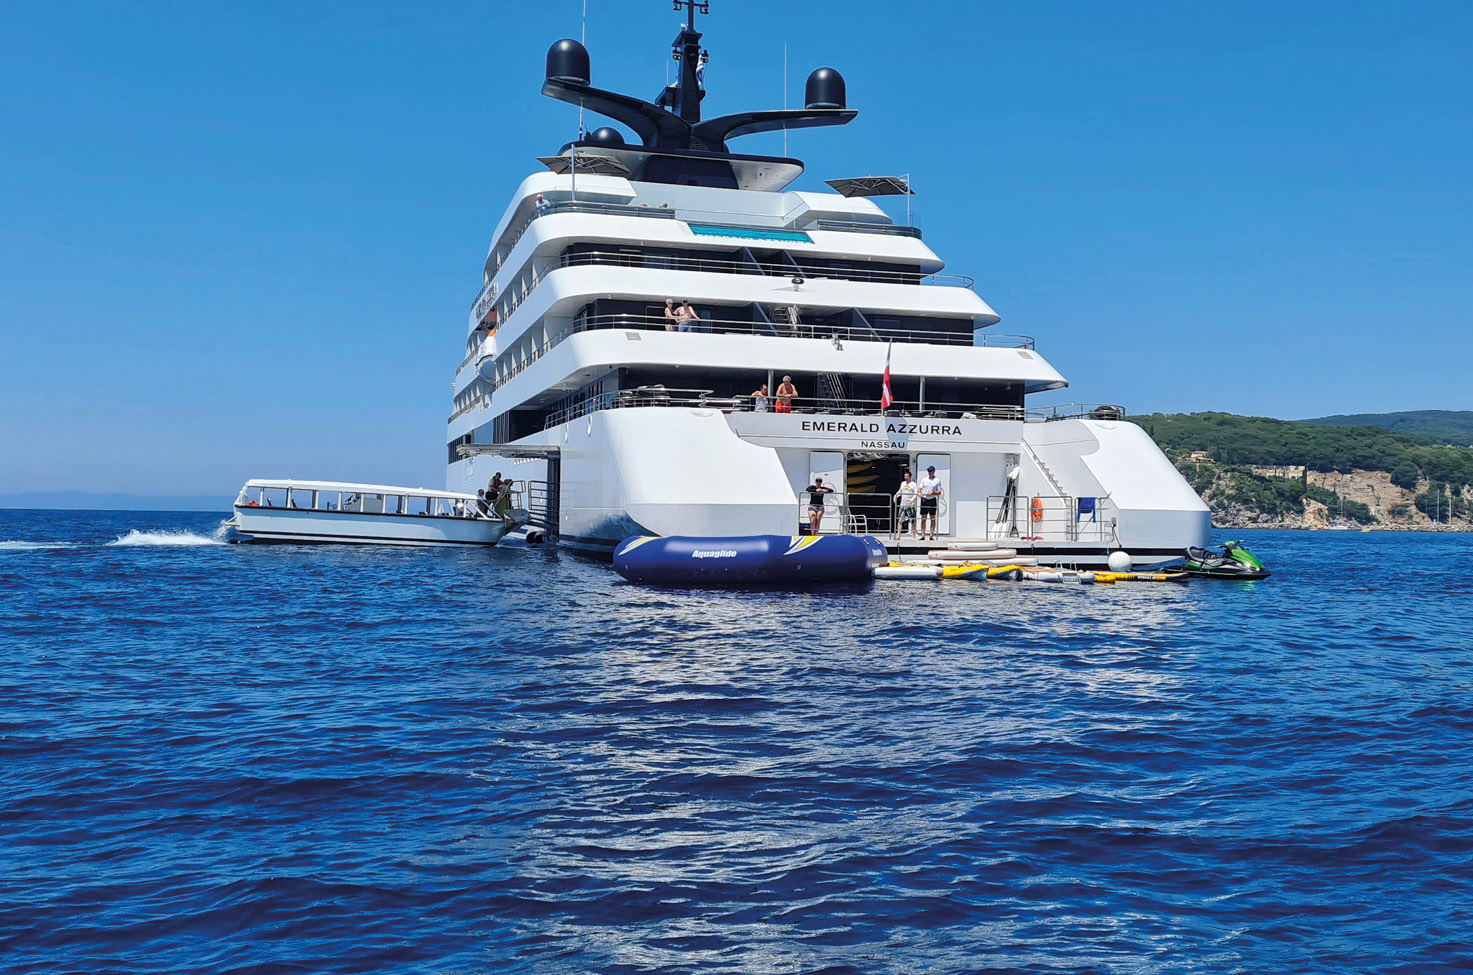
x=660, y=262
x=856, y=226
x=722, y=326
x=1012, y=516
x=705, y=399
x=1076, y=411
x=580, y=206
x=483, y=400
x=484, y=301
x=806, y=330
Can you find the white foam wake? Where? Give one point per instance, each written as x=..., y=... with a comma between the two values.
x=176, y=537
x=18, y=546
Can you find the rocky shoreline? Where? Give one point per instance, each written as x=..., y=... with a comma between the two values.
x=1387, y=507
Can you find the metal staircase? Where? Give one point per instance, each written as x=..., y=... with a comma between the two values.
x=785, y=319
x=832, y=390
x=1047, y=473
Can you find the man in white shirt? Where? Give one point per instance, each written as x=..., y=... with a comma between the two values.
x=930, y=496
x=906, y=500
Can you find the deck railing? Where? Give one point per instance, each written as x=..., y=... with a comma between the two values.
x=864, y=227
x=1076, y=411
x=579, y=206
x=1045, y=517
x=504, y=247
x=645, y=396
x=724, y=326
x=720, y=265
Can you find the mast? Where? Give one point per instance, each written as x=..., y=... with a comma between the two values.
x=686, y=50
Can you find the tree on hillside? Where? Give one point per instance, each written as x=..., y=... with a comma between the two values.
x=1405, y=475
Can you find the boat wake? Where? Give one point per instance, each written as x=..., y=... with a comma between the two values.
x=18, y=546
x=178, y=537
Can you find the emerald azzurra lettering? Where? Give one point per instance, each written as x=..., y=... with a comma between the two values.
x=892, y=428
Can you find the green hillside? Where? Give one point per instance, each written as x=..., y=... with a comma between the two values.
x=1439, y=426
x=1258, y=440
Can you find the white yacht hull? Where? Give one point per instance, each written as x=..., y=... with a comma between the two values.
x=690, y=471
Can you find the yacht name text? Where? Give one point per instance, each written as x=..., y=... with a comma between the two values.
x=891, y=428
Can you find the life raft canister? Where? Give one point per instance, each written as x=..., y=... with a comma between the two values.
x=1037, y=508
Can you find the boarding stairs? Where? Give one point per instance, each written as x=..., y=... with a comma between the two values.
x=542, y=505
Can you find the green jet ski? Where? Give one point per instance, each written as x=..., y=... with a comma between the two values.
x=1233, y=562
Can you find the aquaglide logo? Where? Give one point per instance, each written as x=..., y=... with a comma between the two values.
x=714, y=553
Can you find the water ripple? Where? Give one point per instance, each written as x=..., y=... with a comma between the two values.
x=280, y=760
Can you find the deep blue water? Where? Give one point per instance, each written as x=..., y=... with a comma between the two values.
x=222, y=758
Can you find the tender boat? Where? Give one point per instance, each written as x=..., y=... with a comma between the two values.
x=305, y=512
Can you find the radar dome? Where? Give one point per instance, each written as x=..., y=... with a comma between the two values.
x=825, y=88
x=606, y=136
x=567, y=60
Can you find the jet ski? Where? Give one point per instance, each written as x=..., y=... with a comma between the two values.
x=1233, y=562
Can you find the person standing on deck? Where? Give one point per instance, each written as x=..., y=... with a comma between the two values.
x=930, y=497
x=907, y=498
x=786, y=393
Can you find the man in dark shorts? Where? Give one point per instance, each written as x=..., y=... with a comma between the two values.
x=930, y=495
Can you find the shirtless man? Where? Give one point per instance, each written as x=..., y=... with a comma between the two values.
x=687, y=316
x=786, y=393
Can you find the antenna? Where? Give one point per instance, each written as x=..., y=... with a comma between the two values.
x=686, y=100
x=584, y=41
x=785, y=96
x=691, y=6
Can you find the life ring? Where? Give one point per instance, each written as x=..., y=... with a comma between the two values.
x=1037, y=508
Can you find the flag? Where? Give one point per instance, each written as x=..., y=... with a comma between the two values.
x=886, y=397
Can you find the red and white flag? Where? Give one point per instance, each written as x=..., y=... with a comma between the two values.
x=886, y=397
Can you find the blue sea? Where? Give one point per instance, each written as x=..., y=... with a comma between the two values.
x=235, y=759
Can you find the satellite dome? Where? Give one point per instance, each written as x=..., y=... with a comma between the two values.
x=567, y=60
x=825, y=88
x=607, y=135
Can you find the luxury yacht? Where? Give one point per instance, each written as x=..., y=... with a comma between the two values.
x=808, y=335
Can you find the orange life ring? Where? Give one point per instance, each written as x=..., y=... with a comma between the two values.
x=1037, y=510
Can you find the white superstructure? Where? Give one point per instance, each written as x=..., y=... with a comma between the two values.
x=574, y=377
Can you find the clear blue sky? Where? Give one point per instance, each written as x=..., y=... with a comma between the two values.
x=242, y=240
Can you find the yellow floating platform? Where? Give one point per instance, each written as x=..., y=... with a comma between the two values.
x=1140, y=577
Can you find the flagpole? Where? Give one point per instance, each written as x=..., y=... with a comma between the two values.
x=886, y=397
